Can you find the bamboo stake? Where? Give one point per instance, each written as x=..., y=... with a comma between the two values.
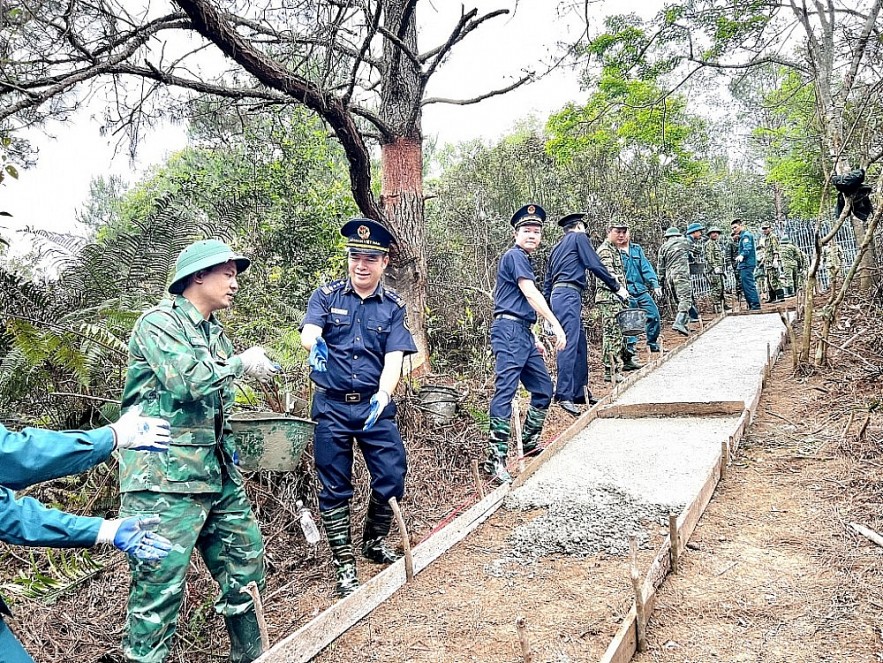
x=640, y=608
x=522, y=638
x=769, y=362
x=846, y=428
x=476, y=477
x=252, y=590
x=674, y=541
x=868, y=533
x=725, y=458
x=406, y=540
x=516, y=427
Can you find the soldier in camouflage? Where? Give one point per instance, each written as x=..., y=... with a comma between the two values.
x=715, y=265
x=182, y=368
x=732, y=251
x=609, y=303
x=673, y=268
x=794, y=263
x=769, y=261
x=832, y=254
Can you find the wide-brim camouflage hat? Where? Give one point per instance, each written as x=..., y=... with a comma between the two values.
x=714, y=229
x=202, y=255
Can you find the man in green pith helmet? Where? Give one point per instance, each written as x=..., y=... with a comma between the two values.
x=608, y=303
x=673, y=268
x=181, y=368
x=794, y=263
x=715, y=266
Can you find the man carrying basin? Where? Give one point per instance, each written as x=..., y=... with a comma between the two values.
x=641, y=281
x=357, y=334
x=182, y=367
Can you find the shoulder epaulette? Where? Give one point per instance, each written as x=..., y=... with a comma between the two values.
x=334, y=286
x=394, y=297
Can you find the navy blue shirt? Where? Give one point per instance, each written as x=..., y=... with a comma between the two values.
x=570, y=259
x=508, y=298
x=359, y=332
x=639, y=274
x=746, y=250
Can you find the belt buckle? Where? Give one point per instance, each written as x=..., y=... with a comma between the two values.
x=352, y=397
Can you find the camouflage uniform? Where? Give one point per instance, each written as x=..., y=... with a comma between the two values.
x=794, y=263
x=714, y=260
x=609, y=305
x=181, y=367
x=732, y=250
x=768, y=264
x=673, y=268
x=832, y=254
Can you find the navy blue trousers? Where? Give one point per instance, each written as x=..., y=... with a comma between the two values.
x=517, y=360
x=645, y=302
x=573, y=361
x=749, y=288
x=338, y=426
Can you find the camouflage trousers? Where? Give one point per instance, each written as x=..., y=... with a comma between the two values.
x=222, y=527
x=679, y=284
x=612, y=339
x=716, y=289
x=768, y=279
x=792, y=278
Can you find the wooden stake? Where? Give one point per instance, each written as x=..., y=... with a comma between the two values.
x=674, y=541
x=522, y=638
x=769, y=362
x=252, y=590
x=406, y=540
x=635, y=574
x=516, y=428
x=476, y=477
x=725, y=458
x=868, y=533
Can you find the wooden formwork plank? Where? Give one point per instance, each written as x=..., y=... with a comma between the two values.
x=313, y=637
x=672, y=409
x=689, y=518
x=625, y=642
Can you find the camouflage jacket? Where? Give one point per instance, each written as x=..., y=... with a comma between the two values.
x=792, y=257
x=181, y=367
x=832, y=254
x=673, y=258
x=697, y=255
x=714, y=257
x=612, y=260
x=767, y=247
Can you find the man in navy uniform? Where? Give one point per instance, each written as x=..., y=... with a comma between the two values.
x=563, y=289
x=746, y=261
x=357, y=335
x=517, y=300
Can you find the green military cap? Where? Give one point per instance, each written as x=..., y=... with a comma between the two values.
x=202, y=255
x=672, y=232
x=765, y=225
x=785, y=239
x=714, y=229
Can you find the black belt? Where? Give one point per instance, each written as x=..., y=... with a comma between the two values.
x=514, y=318
x=344, y=396
x=567, y=284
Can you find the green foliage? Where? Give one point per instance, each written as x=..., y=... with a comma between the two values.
x=67, y=569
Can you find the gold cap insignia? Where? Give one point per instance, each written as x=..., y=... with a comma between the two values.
x=531, y=209
x=364, y=232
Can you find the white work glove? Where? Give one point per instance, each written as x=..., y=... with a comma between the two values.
x=134, y=536
x=740, y=258
x=623, y=295
x=718, y=270
x=138, y=433
x=657, y=292
x=257, y=364
x=776, y=263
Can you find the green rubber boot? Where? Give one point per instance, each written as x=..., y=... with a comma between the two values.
x=377, y=525
x=533, y=426
x=340, y=540
x=498, y=447
x=245, y=637
x=680, y=324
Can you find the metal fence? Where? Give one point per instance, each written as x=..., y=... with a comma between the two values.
x=802, y=233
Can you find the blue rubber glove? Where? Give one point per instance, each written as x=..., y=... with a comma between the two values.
x=134, y=537
x=318, y=359
x=378, y=401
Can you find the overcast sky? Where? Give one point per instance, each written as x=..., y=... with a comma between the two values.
x=73, y=153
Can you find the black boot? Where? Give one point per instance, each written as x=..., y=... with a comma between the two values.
x=630, y=364
x=245, y=637
x=533, y=426
x=498, y=447
x=340, y=540
x=780, y=295
x=569, y=407
x=377, y=525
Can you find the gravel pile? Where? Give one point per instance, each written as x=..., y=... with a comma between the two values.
x=616, y=478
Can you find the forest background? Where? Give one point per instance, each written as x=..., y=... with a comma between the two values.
x=702, y=112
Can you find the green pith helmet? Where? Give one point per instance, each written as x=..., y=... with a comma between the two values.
x=202, y=255
x=785, y=239
x=672, y=232
x=693, y=227
x=714, y=229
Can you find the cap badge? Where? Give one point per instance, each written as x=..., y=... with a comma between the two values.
x=531, y=209
x=364, y=232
